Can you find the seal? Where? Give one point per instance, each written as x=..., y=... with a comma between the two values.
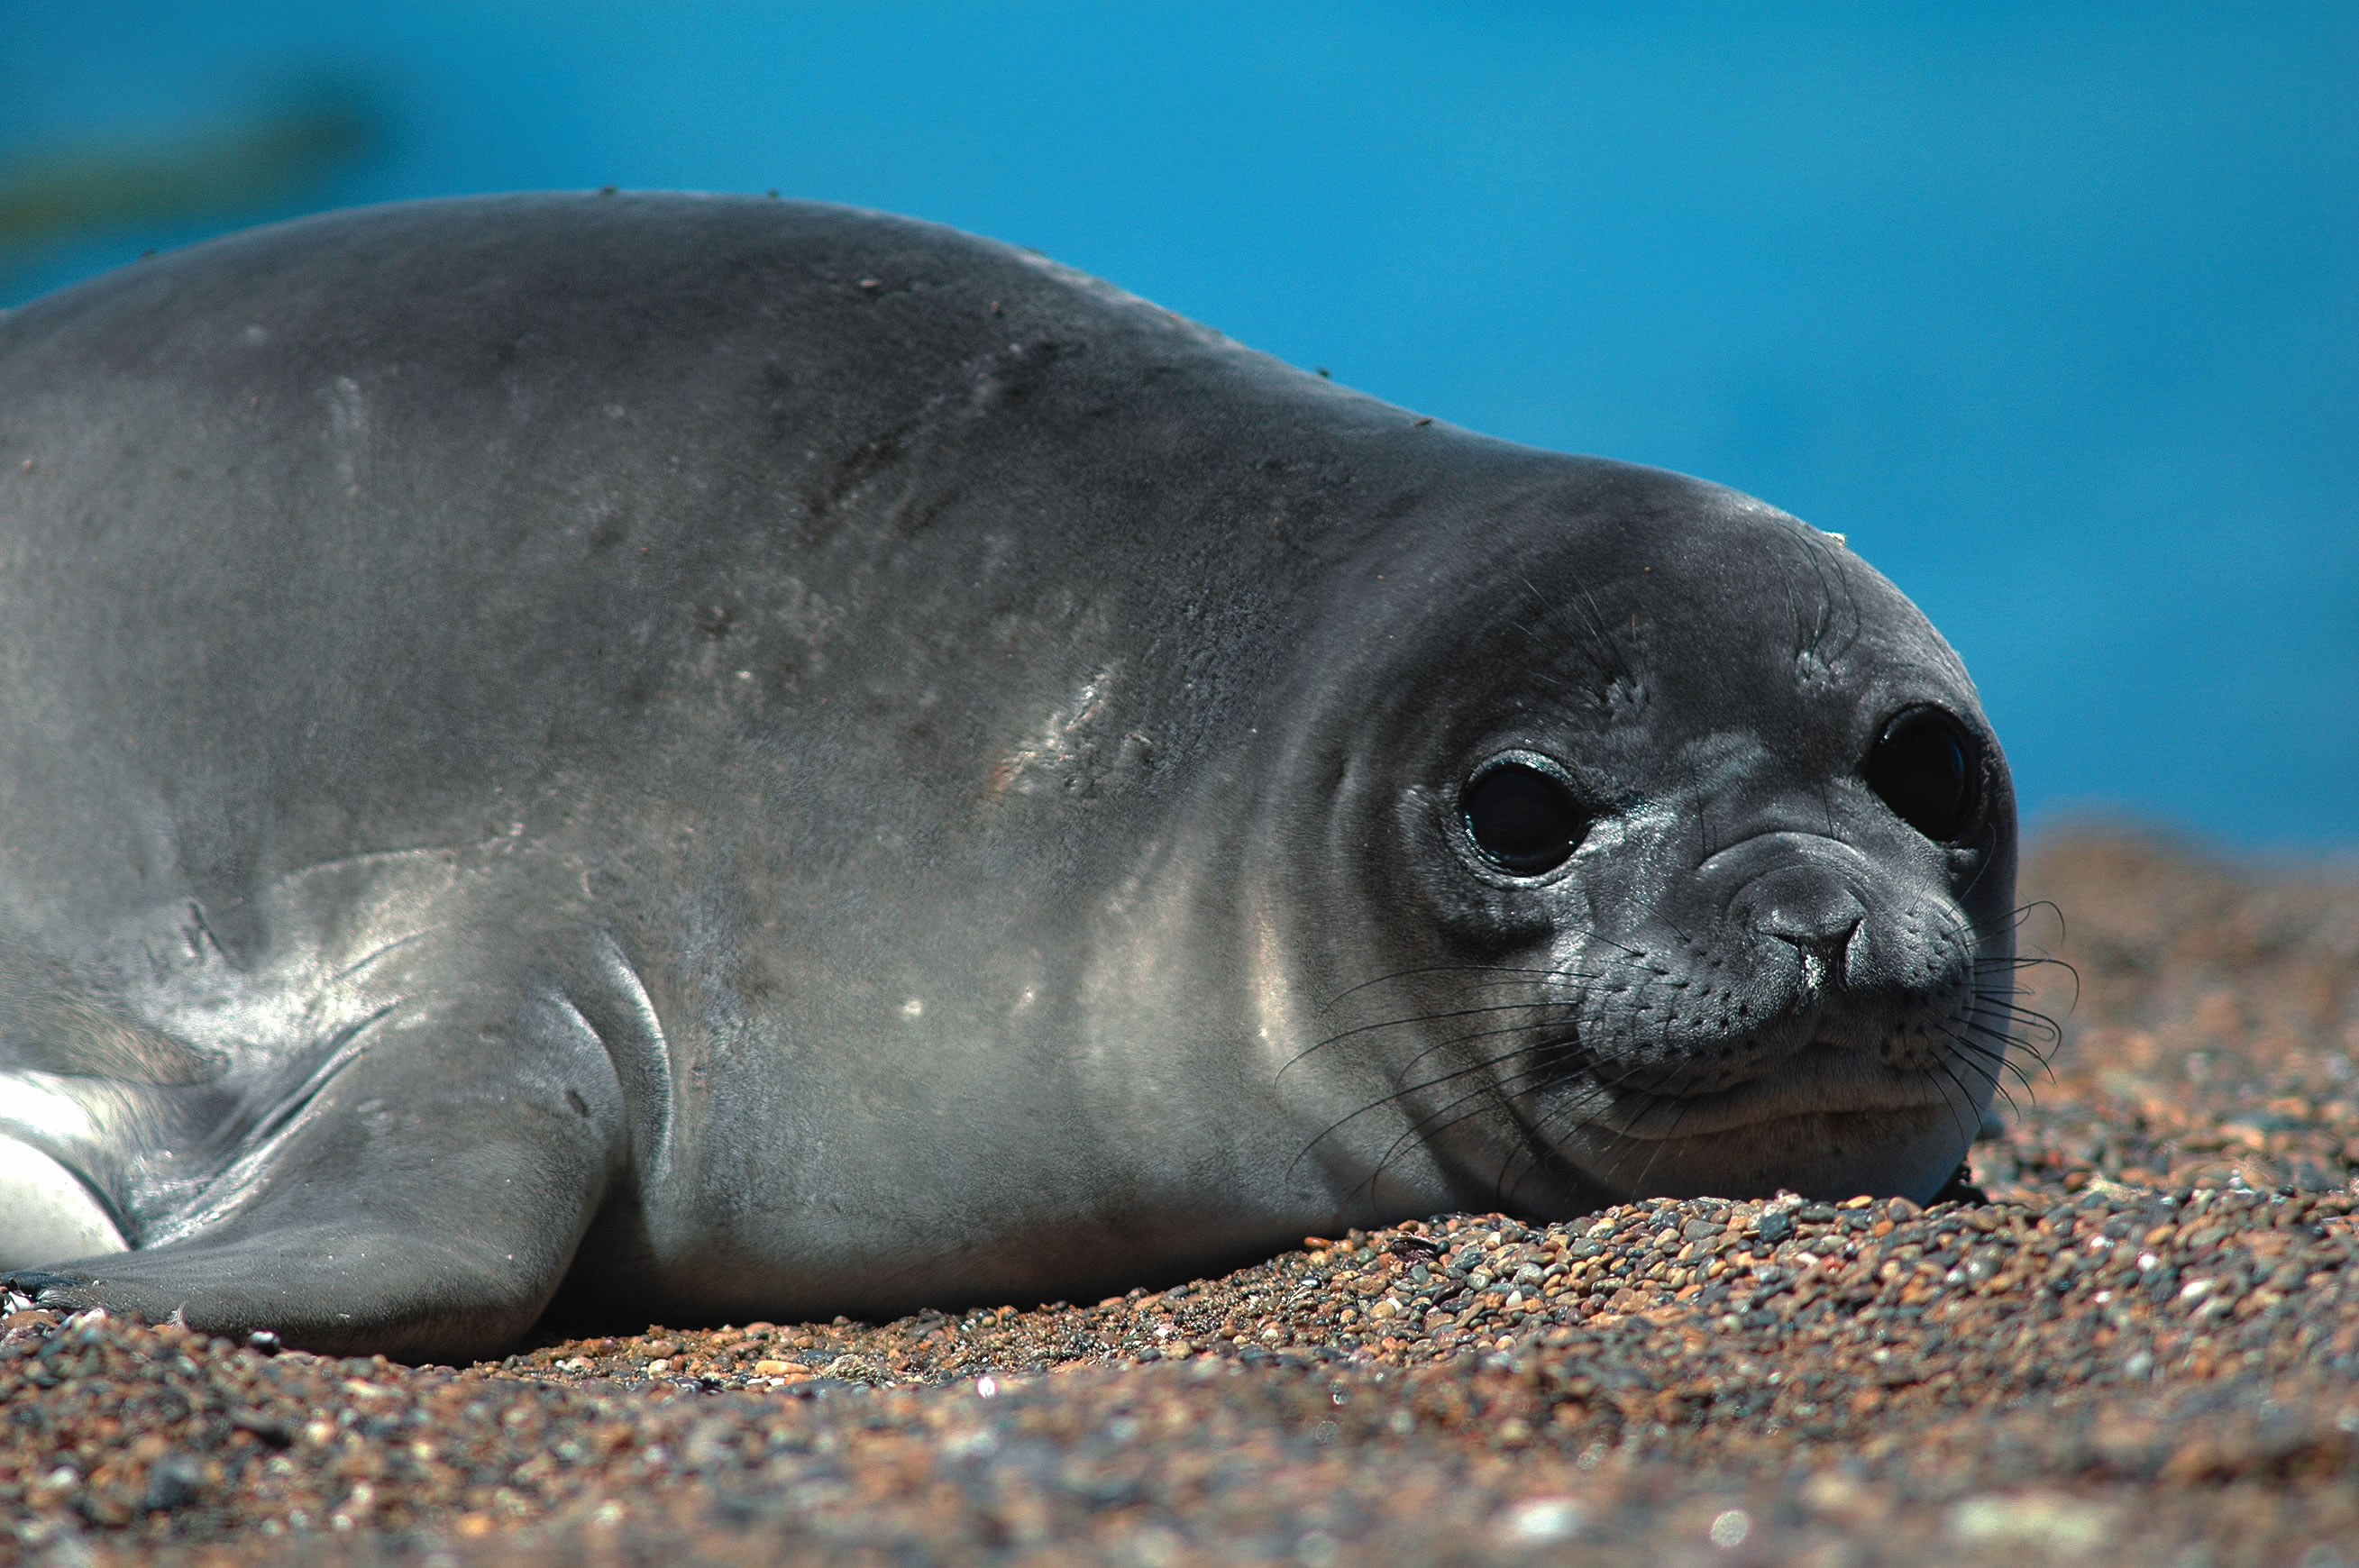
x=684, y=758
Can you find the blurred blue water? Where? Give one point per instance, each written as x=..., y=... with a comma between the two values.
x=2053, y=311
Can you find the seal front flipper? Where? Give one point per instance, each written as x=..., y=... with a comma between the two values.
x=423, y=1200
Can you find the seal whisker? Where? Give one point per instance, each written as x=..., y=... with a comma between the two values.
x=1655, y=1145
x=1801, y=635
x=1991, y=1040
x=1547, y=1061
x=1822, y=619
x=2000, y=1060
x=1414, y=1063
x=1999, y=1089
x=1535, y=1146
x=1537, y=1133
x=1440, y=1120
x=1617, y=661
x=2038, y=1026
x=1965, y=1096
x=2020, y=964
x=1430, y=1018
x=1824, y=556
x=2009, y=1039
x=2011, y=925
x=1504, y=984
x=2002, y=1000
x=2016, y=918
x=1521, y=1147
x=1627, y=952
x=1539, y=1143
x=1403, y=1091
x=1454, y=969
x=1996, y=1069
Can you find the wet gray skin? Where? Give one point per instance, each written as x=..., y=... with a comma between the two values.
x=697, y=759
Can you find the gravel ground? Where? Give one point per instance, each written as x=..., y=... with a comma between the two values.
x=2142, y=1348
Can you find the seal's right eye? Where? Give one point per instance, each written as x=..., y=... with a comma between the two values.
x=1521, y=819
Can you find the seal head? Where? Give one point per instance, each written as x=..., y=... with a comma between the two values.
x=1682, y=854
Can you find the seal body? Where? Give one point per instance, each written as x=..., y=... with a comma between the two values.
x=701, y=758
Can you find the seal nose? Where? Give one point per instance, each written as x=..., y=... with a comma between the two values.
x=1818, y=916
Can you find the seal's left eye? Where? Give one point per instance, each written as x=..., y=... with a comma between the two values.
x=1522, y=821
x=1929, y=770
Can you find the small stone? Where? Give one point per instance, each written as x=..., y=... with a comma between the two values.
x=173, y=1482
x=2050, y=1521
x=1536, y=1520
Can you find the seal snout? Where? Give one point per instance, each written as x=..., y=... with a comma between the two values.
x=1855, y=962
x=1793, y=975
x=1816, y=914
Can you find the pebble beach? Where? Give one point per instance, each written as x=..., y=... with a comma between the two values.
x=2134, y=1338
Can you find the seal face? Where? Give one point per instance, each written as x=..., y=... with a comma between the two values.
x=683, y=757
x=1709, y=900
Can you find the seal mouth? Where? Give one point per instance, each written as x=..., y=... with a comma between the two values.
x=1824, y=1078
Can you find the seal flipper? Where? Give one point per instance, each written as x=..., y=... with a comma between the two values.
x=47, y=1212
x=93, y=1109
x=424, y=1200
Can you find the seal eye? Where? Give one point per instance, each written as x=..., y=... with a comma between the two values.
x=1522, y=821
x=1927, y=768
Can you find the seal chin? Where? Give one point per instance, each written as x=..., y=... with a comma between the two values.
x=1822, y=1078
x=1830, y=1123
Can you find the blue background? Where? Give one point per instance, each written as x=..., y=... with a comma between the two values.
x=2053, y=311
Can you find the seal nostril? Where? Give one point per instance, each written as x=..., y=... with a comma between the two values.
x=1829, y=947
x=1819, y=921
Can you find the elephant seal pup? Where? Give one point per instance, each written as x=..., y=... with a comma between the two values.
x=694, y=757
